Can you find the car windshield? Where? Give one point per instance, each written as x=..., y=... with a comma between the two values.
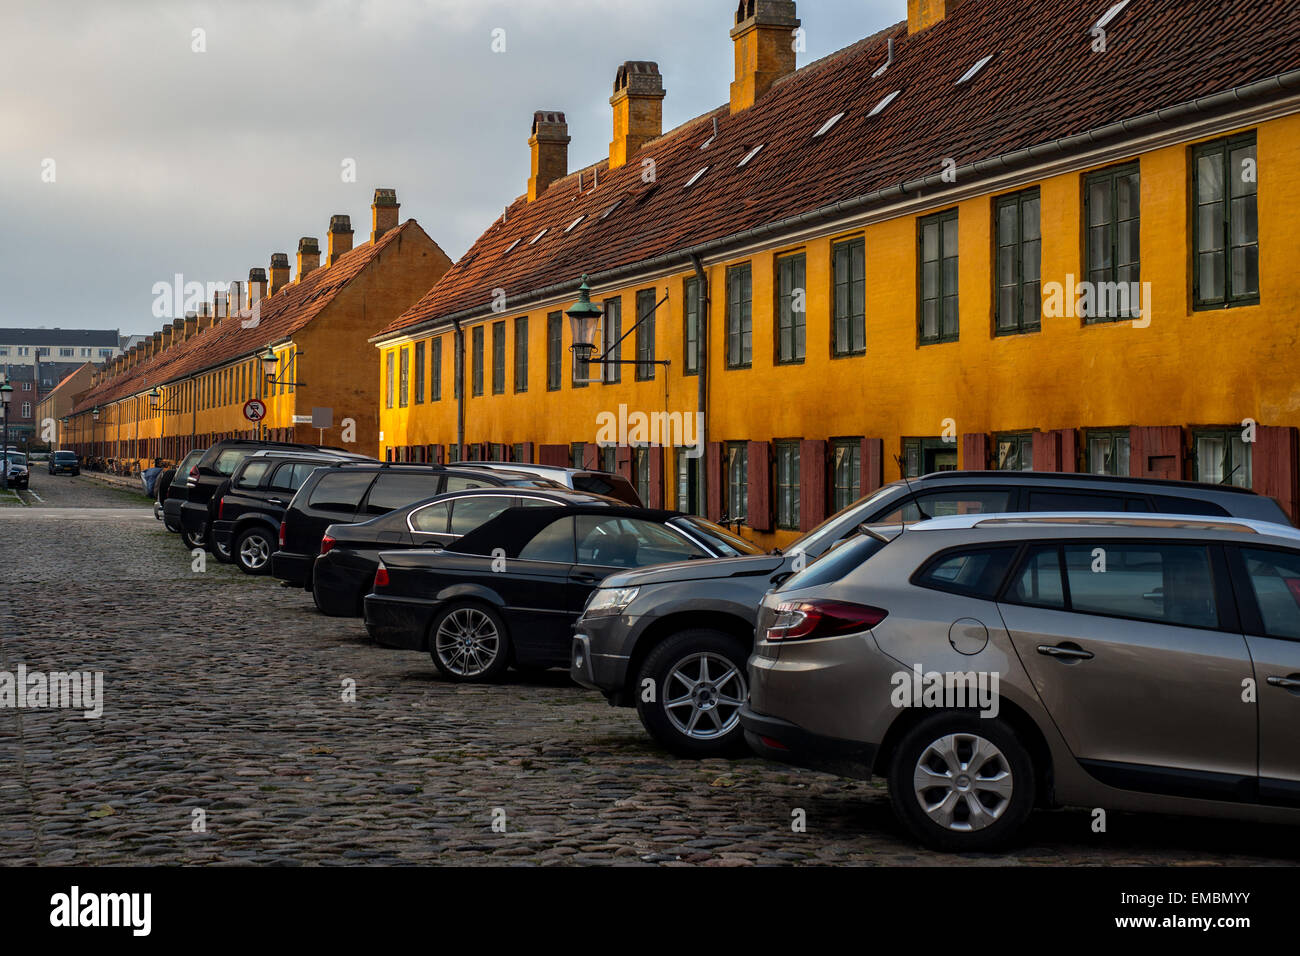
x=819, y=539
x=721, y=540
x=68, y=455
x=17, y=458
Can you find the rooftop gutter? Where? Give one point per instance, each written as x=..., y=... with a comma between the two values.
x=1147, y=122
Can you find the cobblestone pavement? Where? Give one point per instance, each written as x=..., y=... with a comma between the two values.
x=224, y=694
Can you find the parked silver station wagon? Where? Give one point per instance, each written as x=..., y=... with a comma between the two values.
x=988, y=664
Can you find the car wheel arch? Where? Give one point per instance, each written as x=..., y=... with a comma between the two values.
x=1010, y=712
x=244, y=523
x=674, y=623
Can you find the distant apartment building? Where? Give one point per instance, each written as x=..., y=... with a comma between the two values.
x=22, y=406
x=75, y=346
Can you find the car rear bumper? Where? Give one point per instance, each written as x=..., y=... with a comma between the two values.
x=781, y=740
x=337, y=586
x=294, y=568
x=399, y=622
x=171, y=509
x=194, y=517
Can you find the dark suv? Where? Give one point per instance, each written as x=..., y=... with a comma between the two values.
x=172, y=495
x=215, y=466
x=688, y=628
x=348, y=492
x=64, y=462
x=247, y=524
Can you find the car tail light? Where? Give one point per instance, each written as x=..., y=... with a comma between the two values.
x=803, y=620
x=221, y=510
x=194, y=473
x=326, y=544
x=282, y=525
x=381, y=577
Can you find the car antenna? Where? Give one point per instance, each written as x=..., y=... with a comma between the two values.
x=902, y=470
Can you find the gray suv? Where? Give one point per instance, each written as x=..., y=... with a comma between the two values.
x=985, y=665
x=672, y=640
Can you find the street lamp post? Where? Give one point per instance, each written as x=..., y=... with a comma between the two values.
x=6, y=396
x=94, y=433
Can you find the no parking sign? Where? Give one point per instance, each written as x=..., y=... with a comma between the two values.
x=254, y=409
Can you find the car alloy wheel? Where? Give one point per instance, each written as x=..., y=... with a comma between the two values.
x=191, y=540
x=963, y=782
x=469, y=644
x=253, y=551
x=703, y=694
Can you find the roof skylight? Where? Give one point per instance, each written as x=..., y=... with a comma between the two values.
x=539, y=235
x=510, y=248
x=979, y=65
x=1110, y=15
x=573, y=225
x=750, y=155
x=826, y=127
x=883, y=103
x=606, y=213
x=696, y=178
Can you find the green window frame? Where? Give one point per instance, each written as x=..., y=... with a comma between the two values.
x=786, y=454
x=1222, y=456
x=389, y=362
x=938, y=317
x=846, y=472
x=849, y=285
x=1014, y=451
x=791, y=309
x=1112, y=216
x=476, y=371
x=923, y=455
x=612, y=331
x=435, y=370
x=691, y=326
x=1107, y=451
x=1225, y=223
x=1018, y=263
x=737, y=482
x=554, y=350
x=403, y=377
x=521, y=354
x=740, y=316
x=498, y=358
x=645, y=334
x=641, y=469
x=420, y=350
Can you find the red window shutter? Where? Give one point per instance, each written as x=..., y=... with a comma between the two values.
x=527, y=453
x=717, y=479
x=975, y=451
x=1275, y=465
x=873, y=465
x=812, y=483
x=656, y=476
x=1156, y=452
x=1069, y=449
x=557, y=455
x=760, y=486
x=484, y=451
x=1047, y=451
x=591, y=456
x=623, y=462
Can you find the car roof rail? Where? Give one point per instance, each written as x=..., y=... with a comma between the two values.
x=1134, y=520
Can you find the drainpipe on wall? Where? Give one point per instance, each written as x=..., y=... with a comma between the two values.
x=702, y=353
x=459, y=385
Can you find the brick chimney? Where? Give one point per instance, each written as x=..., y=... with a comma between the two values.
x=256, y=287
x=234, y=299
x=549, y=145
x=638, y=103
x=764, y=43
x=340, y=238
x=191, y=325
x=308, y=257
x=166, y=337
x=179, y=332
x=279, y=271
x=926, y=13
x=155, y=344
x=383, y=213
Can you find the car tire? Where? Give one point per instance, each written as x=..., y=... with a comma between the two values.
x=479, y=662
x=971, y=807
x=714, y=659
x=253, y=549
x=192, y=541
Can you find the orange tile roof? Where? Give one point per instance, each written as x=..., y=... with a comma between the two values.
x=1043, y=83
x=280, y=316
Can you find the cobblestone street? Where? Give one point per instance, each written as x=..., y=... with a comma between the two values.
x=224, y=693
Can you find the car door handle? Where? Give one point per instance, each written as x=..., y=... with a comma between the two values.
x=1290, y=683
x=1065, y=651
x=275, y=501
x=588, y=578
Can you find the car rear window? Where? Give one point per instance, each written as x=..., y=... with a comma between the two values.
x=1084, y=501
x=977, y=572
x=250, y=476
x=341, y=491
x=1175, y=505
x=395, y=490
x=229, y=460
x=946, y=502
x=835, y=563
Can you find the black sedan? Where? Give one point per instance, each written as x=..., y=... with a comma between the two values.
x=509, y=591
x=349, y=553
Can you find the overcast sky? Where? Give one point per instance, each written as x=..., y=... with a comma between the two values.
x=167, y=160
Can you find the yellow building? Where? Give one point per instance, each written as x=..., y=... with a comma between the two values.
x=1062, y=242
x=207, y=367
